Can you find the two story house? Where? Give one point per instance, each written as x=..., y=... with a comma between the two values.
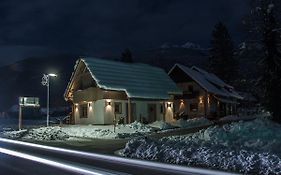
x=103, y=91
x=204, y=94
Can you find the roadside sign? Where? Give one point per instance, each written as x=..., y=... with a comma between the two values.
x=29, y=101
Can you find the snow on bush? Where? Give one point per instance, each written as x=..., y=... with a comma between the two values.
x=245, y=147
x=161, y=125
x=191, y=123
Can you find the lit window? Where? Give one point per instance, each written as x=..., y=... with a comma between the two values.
x=118, y=108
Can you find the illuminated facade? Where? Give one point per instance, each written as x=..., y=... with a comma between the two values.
x=103, y=91
x=204, y=94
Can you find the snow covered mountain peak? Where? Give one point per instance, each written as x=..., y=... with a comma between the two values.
x=187, y=45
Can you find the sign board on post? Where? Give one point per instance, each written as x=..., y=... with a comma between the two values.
x=29, y=101
x=26, y=102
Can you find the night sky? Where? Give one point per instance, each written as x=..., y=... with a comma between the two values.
x=106, y=27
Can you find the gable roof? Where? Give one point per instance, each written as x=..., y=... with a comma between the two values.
x=136, y=79
x=208, y=81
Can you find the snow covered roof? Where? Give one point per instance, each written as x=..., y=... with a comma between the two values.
x=136, y=79
x=210, y=82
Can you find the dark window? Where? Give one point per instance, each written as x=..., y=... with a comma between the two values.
x=84, y=111
x=193, y=107
x=118, y=108
x=161, y=109
x=190, y=88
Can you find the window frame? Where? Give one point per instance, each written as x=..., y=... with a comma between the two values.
x=193, y=109
x=119, y=104
x=83, y=111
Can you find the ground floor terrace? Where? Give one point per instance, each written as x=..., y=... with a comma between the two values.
x=208, y=105
x=109, y=111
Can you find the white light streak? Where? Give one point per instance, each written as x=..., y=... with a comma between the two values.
x=67, y=167
x=121, y=160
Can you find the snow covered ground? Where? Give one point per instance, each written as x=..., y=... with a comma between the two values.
x=80, y=131
x=101, y=131
x=192, y=123
x=245, y=147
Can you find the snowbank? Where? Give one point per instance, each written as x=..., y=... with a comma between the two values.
x=162, y=125
x=42, y=134
x=80, y=131
x=245, y=147
x=234, y=118
x=192, y=123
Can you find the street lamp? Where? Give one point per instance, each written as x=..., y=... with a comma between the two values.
x=46, y=82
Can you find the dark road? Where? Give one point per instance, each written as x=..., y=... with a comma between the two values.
x=26, y=158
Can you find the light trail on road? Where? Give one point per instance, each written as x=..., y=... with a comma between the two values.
x=129, y=163
x=68, y=167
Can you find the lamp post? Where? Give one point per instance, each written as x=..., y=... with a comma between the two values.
x=46, y=82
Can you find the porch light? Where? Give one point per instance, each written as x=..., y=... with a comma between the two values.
x=108, y=103
x=76, y=107
x=169, y=105
x=200, y=100
x=90, y=106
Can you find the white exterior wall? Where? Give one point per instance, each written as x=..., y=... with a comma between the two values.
x=141, y=110
x=99, y=108
x=169, y=114
x=101, y=113
x=87, y=120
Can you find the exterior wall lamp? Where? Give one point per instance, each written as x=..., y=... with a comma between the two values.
x=89, y=104
x=169, y=105
x=108, y=103
x=200, y=100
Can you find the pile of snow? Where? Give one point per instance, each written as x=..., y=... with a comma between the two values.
x=14, y=134
x=161, y=125
x=192, y=123
x=245, y=147
x=89, y=131
x=236, y=118
x=42, y=134
x=139, y=127
x=80, y=131
x=46, y=133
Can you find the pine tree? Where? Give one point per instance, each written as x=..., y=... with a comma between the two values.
x=270, y=81
x=127, y=56
x=221, y=60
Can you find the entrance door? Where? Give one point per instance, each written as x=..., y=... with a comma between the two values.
x=133, y=112
x=151, y=113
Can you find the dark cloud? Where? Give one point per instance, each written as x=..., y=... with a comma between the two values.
x=108, y=26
